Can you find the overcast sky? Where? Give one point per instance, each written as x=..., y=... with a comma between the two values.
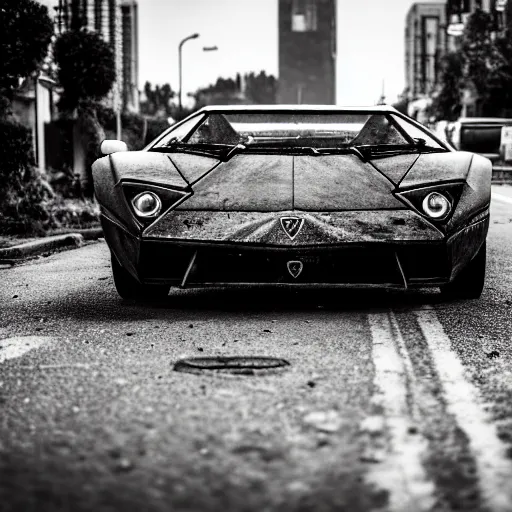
x=370, y=43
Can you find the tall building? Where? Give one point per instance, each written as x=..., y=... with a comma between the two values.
x=425, y=44
x=307, y=51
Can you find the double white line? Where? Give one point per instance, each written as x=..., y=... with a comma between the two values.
x=402, y=472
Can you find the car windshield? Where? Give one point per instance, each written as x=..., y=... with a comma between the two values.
x=298, y=130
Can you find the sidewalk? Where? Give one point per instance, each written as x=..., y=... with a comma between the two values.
x=14, y=249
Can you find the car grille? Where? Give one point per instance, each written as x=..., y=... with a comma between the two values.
x=348, y=264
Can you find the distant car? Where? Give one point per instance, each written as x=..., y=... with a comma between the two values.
x=317, y=196
x=480, y=135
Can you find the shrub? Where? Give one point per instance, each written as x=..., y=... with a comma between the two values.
x=25, y=194
x=28, y=211
x=16, y=155
x=70, y=213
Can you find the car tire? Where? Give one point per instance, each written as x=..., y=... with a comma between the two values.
x=469, y=283
x=130, y=289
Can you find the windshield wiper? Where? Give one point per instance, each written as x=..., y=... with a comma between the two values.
x=265, y=146
x=233, y=150
x=337, y=151
x=384, y=150
x=176, y=146
x=305, y=149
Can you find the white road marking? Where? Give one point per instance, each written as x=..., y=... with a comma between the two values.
x=464, y=402
x=11, y=348
x=500, y=197
x=401, y=472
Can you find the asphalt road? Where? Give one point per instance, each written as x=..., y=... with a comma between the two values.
x=391, y=401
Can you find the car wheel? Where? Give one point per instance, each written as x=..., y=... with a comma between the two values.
x=129, y=288
x=470, y=282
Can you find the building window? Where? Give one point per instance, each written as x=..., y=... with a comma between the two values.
x=430, y=44
x=98, y=15
x=304, y=16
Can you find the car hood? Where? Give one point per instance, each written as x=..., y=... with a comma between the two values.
x=266, y=183
x=286, y=182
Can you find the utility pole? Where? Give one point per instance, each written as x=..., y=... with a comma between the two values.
x=183, y=41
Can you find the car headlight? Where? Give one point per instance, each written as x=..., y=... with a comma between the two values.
x=436, y=205
x=147, y=204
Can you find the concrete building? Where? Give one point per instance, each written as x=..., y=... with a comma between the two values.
x=307, y=52
x=32, y=106
x=425, y=44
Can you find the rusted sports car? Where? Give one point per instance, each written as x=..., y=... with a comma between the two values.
x=301, y=195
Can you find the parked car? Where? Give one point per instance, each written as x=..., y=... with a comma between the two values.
x=480, y=135
x=316, y=196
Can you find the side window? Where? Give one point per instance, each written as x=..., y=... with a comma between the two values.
x=215, y=129
x=179, y=133
x=378, y=130
x=203, y=134
x=417, y=133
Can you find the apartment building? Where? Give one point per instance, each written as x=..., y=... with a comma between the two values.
x=425, y=43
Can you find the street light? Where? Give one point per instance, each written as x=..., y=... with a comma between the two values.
x=193, y=36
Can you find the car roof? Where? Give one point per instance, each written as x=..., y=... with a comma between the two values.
x=296, y=108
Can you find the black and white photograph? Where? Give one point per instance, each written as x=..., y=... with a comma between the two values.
x=255, y=256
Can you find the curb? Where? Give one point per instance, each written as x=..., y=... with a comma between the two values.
x=71, y=240
x=501, y=174
x=88, y=233
x=48, y=244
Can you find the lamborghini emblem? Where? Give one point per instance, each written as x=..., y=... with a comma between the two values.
x=292, y=226
x=295, y=268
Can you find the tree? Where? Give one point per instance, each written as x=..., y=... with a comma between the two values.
x=261, y=88
x=223, y=91
x=86, y=67
x=488, y=64
x=478, y=55
x=446, y=102
x=499, y=97
x=481, y=70
x=86, y=72
x=158, y=100
x=25, y=33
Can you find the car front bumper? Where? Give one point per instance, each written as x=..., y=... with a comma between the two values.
x=387, y=263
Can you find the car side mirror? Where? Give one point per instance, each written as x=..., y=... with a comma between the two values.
x=113, y=146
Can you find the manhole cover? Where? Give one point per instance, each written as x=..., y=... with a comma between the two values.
x=241, y=365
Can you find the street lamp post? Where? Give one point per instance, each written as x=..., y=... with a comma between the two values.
x=193, y=36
